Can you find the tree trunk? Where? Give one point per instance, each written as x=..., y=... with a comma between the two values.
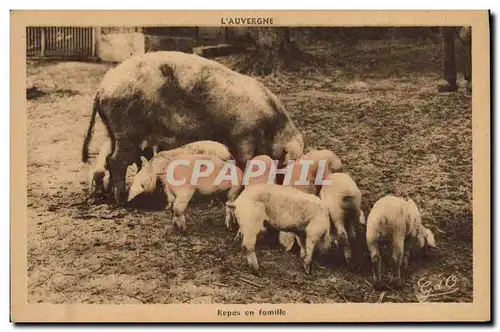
x=273, y=50
x=271, y=46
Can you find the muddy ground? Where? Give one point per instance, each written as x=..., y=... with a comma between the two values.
x=375, y=104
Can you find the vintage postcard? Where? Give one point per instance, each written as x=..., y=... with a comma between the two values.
x=250, y=166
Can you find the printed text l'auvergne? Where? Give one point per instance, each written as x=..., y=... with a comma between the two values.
x=247, y=20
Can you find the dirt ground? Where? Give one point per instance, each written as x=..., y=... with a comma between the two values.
x=374, y=104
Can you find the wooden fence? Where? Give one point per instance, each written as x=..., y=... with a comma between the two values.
x=61, y=42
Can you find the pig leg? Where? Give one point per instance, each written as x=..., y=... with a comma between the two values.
x=250, y=227
x=110, y=178
x=297, y=239
x=407, y=252
x=231, y=197
x=311, y=240
x=397, y=258
x=97, y=182
x=180, y=204
x=301, y=241
x=238, y=237
x=351, y=235
x=229, y=219
x=376, y=262
x=234, y=192
x=148, y=153
x=248, y=244
x=138, y=163
x=343, y=241
x=124, y=155
x=101, y=166
x=170, y=198
x=245, y=151
x=337, y=221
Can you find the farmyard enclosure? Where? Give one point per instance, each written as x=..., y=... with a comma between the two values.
x=374, y=103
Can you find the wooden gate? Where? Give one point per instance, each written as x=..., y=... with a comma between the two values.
x=60, y=42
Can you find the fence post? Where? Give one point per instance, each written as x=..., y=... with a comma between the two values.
x=96, y=31
x=42, y=42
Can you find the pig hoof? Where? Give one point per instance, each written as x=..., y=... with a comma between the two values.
x=302, y=253
x=180, y=227
x=307, y=268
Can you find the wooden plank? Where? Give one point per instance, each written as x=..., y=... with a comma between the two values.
x=91, y=41
x=82, y=49
x=42, y=43
x=76, y=41
x=49, y=33
x=62, y=38
x=95, y=37
x=73, y=42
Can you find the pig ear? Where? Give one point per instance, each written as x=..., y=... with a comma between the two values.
x=286, y=240
x=143, y=145
x=144, y=160
x=429, y=239
x=410, y=202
